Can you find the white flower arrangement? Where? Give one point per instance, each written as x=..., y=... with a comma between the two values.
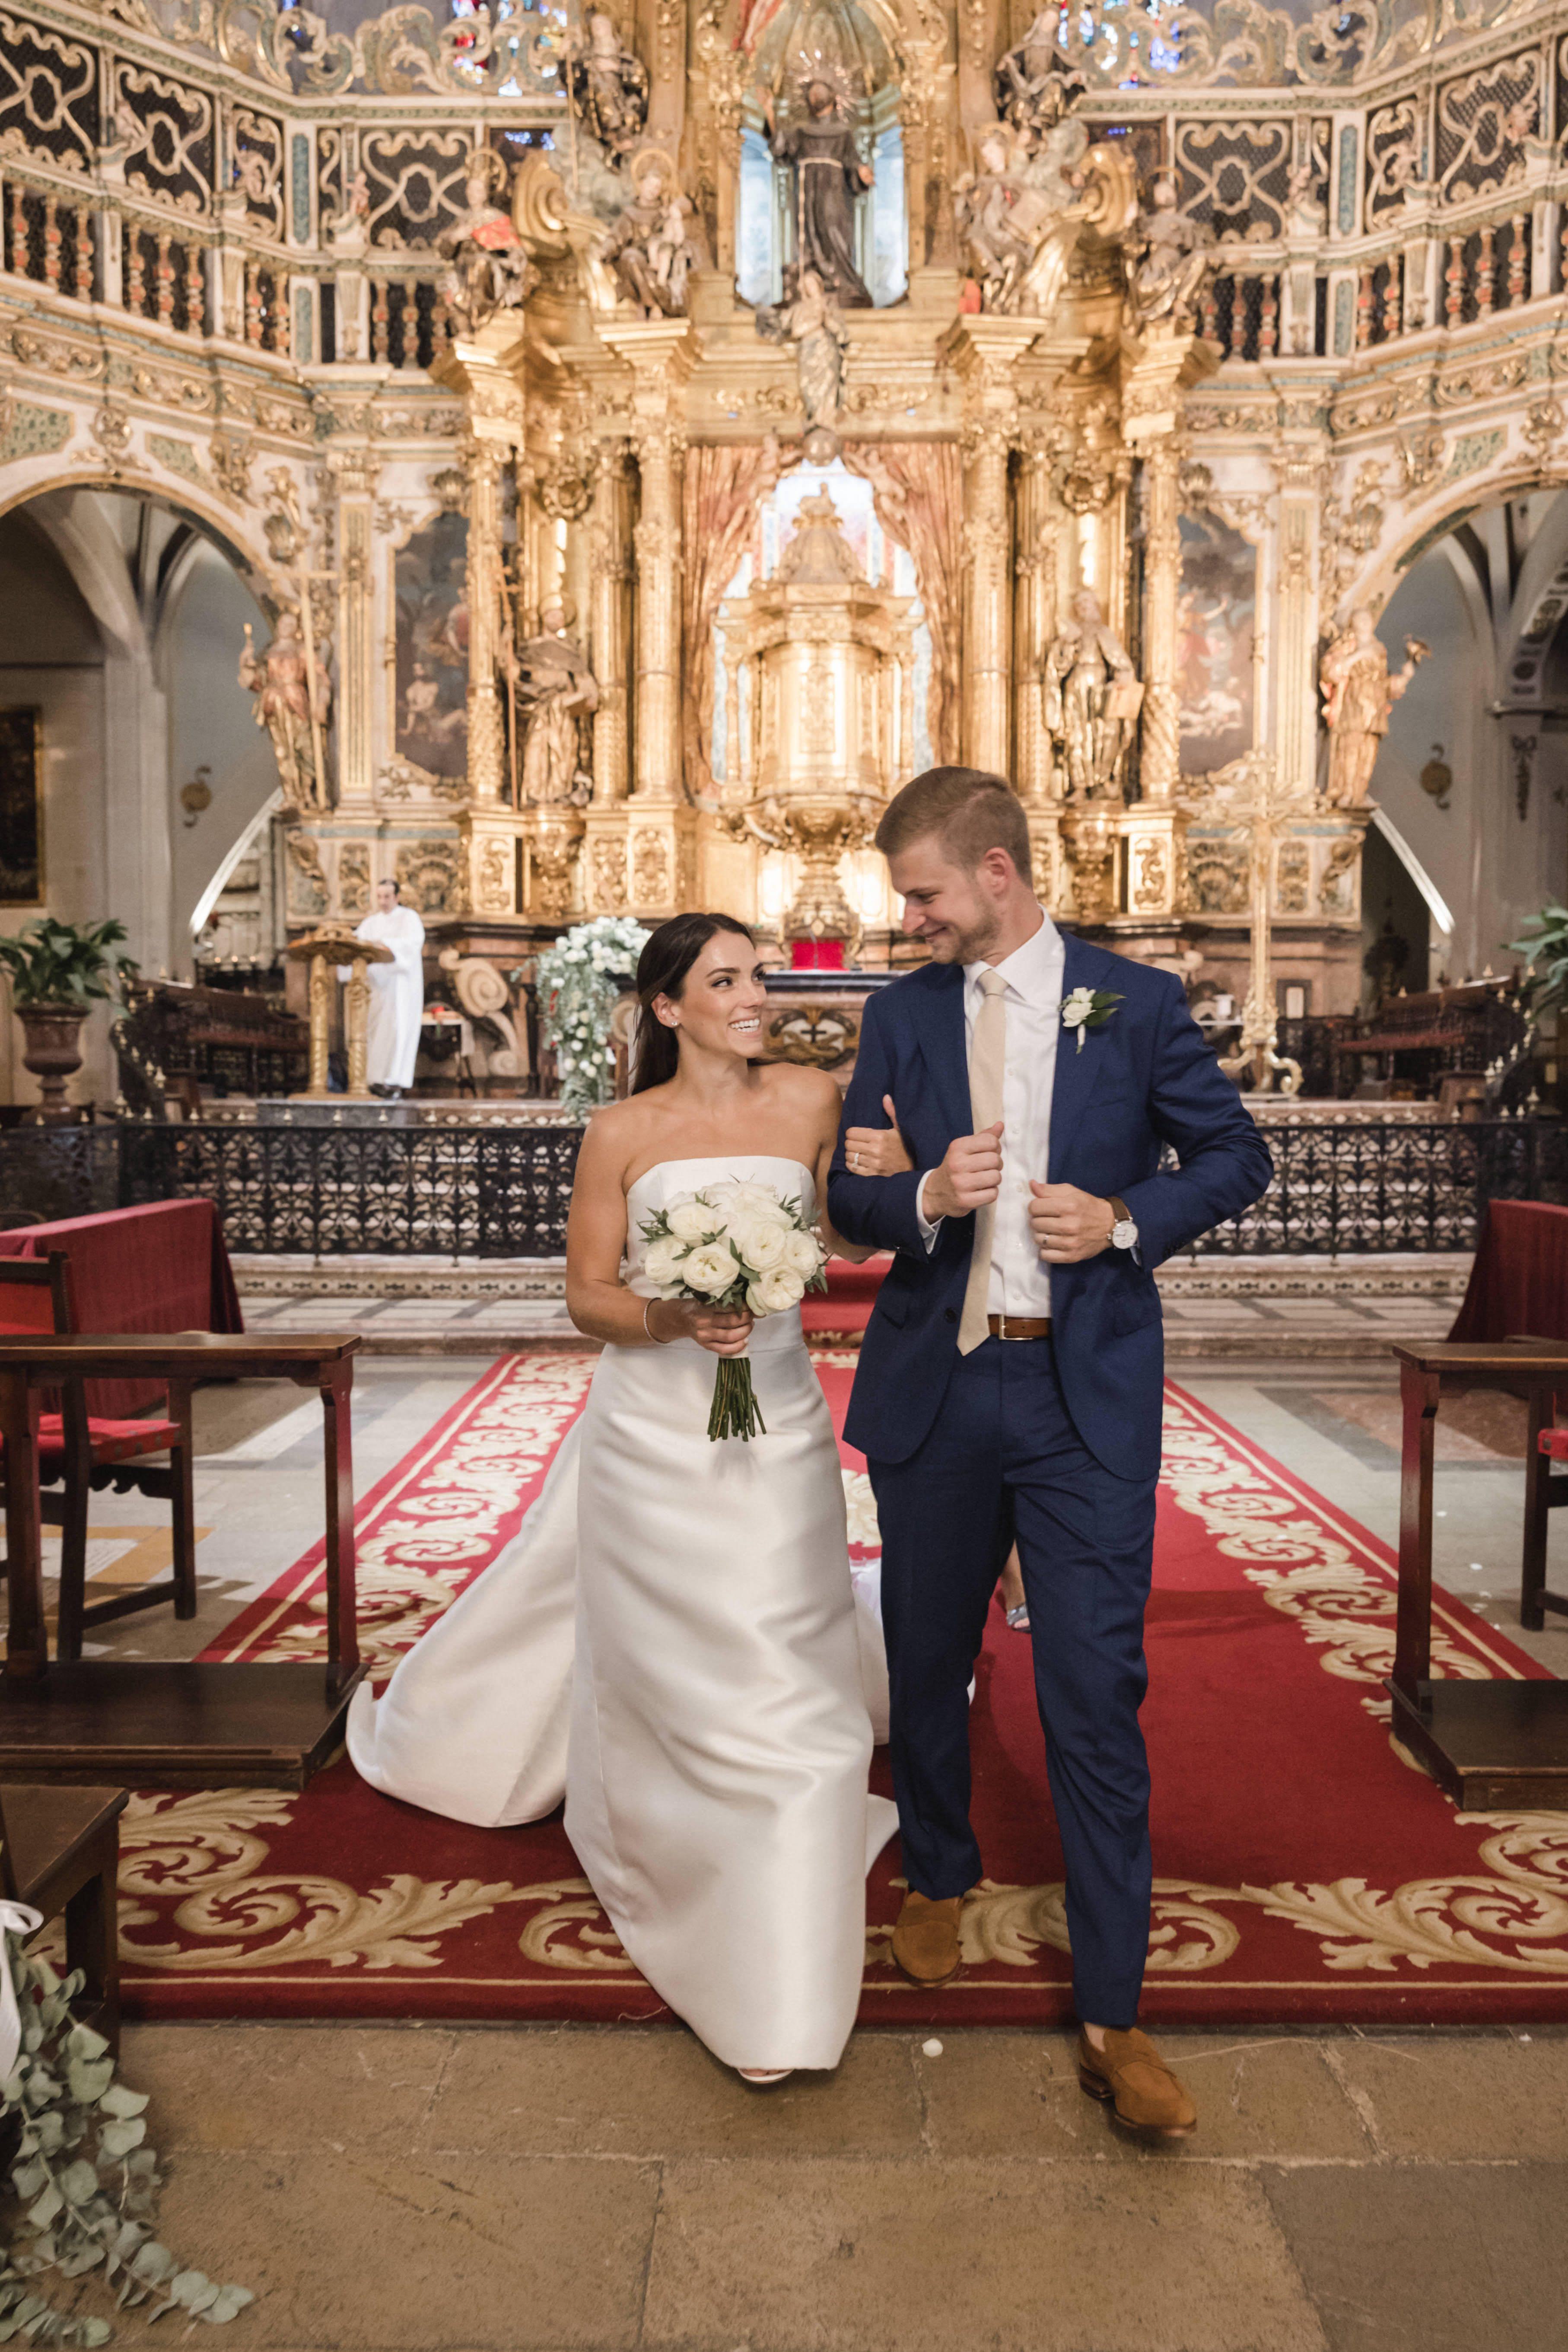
x=579, y=980
x=734, y=1244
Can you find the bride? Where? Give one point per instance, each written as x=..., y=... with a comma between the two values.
x=672, y=1636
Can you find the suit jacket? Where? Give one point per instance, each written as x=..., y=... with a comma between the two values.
x=1144, y=1079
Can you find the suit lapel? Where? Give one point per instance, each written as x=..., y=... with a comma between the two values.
x=943, y=1042
x=1076, y=1072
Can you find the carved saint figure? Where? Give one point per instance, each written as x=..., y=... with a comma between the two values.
x=1033, y=84
x=1020, y=214
x=609, y=84
x=554, y=688
x=488, y=267
x=1358, y=696
x=1092, y=699
x=1171, y=257
x=810, y=320
x=828, y=177
x=818, y=553
x=648, y=249
x=279, y=679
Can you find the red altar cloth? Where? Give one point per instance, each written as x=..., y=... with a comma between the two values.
x=1518, y=1284
x=158, y=1268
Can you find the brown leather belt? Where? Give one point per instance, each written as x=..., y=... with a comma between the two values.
x=1019, y=1327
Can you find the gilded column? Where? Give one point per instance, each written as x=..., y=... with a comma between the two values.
x=608, y=647
x=661, y=354
x=1297, y=470
x=1032, y=626
x=354, y=472
x=984, y=351
x=661, y=843
x=486, y=731
x=1160, y=762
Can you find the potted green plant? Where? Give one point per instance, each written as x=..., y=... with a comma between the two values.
x=58, y=970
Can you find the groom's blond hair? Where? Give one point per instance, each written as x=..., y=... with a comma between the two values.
x=968, y=810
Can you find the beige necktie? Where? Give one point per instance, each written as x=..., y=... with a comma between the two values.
x=987, y=1062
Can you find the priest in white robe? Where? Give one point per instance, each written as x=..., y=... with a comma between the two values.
x=396, y=990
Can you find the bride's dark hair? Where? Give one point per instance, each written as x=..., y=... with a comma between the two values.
x=662, y=967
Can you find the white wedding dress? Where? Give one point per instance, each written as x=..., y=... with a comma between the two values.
x=672, y=1639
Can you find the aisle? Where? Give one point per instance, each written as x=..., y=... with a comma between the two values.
x=1306, y=1872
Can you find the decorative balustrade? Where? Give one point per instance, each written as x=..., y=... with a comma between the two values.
x=492, y=1190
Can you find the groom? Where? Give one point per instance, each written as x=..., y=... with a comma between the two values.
x=1010, y=1379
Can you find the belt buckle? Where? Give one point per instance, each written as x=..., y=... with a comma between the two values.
x=1004, y=1333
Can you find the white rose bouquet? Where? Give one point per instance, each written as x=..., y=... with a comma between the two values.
x=734, y=1244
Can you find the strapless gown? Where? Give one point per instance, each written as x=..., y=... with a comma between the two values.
x=672, y=1639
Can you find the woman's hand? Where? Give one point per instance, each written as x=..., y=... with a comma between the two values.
x=877, y=1151
x=723, y=1330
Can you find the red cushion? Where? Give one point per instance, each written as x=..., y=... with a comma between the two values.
x=1556, y=1443
x=111, y=1440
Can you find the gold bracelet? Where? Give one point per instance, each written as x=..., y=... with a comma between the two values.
x=651, y=1333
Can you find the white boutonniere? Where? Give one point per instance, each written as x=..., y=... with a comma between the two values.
x=1089, y=1008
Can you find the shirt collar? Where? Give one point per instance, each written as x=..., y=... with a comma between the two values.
x=1033, y=971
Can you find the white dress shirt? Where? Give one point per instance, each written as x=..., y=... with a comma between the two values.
x=1020, y=1278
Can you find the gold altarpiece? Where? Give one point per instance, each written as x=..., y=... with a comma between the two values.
x=612, y=463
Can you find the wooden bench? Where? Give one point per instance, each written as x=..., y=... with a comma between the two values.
x=59, y=1852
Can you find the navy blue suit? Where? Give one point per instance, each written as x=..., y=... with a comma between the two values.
x=1055, y=1442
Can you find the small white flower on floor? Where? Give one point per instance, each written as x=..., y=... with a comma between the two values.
x=931, y=2050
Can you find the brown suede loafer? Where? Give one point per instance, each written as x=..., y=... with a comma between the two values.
x=1130, y=2071
x=925, y=1941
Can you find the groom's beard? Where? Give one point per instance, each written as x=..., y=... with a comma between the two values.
x=970, y=946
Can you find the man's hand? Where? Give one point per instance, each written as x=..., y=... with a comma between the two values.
x=969, y=1176
x=1067, y=1225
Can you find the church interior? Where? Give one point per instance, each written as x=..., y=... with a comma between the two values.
x=482, y=477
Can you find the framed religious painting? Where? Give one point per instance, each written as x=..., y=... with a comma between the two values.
x=431, y=718
x=1215, y=613
x=21, y=806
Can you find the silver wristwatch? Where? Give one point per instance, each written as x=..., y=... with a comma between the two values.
x=1123, y=1232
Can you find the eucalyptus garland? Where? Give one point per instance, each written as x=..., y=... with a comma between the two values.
x=579, y=980
x=83, y=2177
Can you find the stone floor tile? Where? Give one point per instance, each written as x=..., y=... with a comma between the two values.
x=544, y=2092
x=839, y=2257
x=993, y=2094
x=275, y=2089
x=1457, y=2097
x=367, y=2253
x=1428, y=2258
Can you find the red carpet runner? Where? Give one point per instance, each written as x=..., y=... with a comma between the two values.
x=1306, y=1873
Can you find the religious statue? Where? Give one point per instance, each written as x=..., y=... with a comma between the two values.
x=810, y=320
x=488, y=265
x=649, y=249
x=828, y=177
x=396, y=1006
x=1020, y=216
x=1092, y=699
x=293, y=702
x=553, y=688
x=609, y=84
x=1358, y=696
x=348, y=230
x=1170, y=258
x=1033, y=84
x=818, y=554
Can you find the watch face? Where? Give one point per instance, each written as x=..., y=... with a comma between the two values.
x=1124, y=1233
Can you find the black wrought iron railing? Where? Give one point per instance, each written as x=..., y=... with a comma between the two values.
x=503, y=1191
